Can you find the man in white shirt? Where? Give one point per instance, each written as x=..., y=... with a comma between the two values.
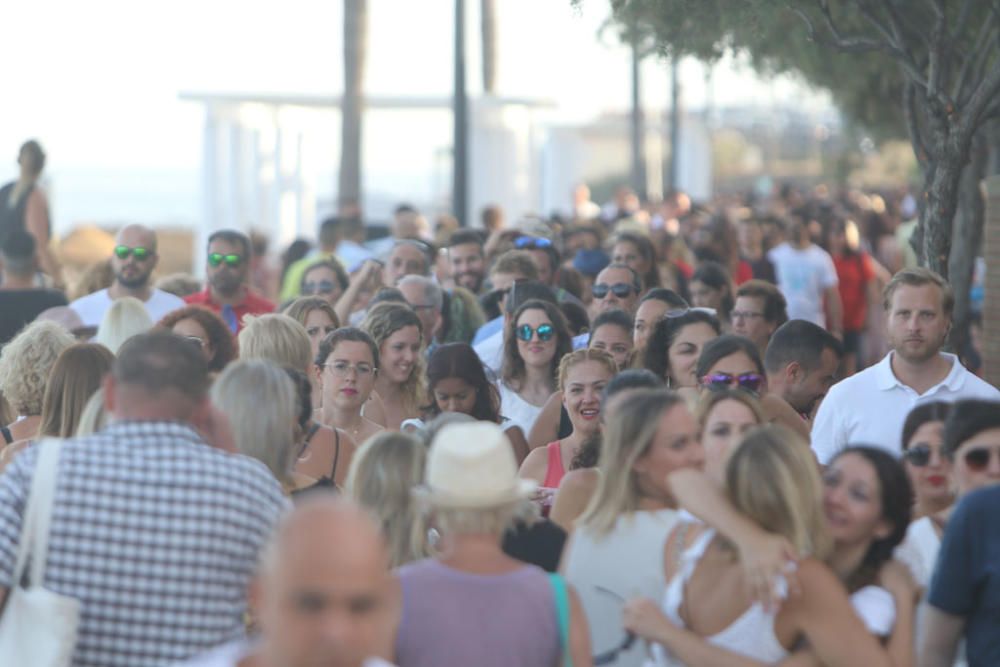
x=808, y=279
x=871, y=406
x=132, y=261
x=324, y=594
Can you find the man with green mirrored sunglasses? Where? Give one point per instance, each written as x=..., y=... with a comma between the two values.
x=133, y=260
x=227, y=268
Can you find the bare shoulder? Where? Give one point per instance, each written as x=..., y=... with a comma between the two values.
x=583, y=480
x=534, y=465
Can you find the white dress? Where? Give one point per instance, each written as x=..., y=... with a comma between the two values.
x=607, y=570
x=750, y=635
x=517, y=410
x=919, y=550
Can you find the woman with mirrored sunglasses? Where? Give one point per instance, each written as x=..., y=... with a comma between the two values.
x=970, y=445
x=326, y=279
x=733, y=362
x=535, y=340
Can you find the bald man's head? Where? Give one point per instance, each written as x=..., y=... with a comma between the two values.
x=134, y=257
x=324, y=592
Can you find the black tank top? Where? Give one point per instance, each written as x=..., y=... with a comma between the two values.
x=12, y=217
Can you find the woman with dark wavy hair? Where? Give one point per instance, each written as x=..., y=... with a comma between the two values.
x=535, y=341
x=457, y=382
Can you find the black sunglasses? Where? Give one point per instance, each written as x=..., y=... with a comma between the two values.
x=232, y=260
x=611, y=656
x=140, y=253
x=918, y=456
x=751, y=382
x=321, y=287
x=977, y=459
x=620, y=290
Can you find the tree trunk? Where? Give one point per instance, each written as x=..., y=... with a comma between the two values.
x=938, y=211
x=967, y=238
x=488, y=9
x=351, y=107
x=637, y=126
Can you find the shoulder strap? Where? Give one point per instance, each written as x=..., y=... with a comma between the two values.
x=562, y=614
x=336, y=453
x=38, y=514
x=7, y=437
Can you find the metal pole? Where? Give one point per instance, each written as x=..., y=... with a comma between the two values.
x=638, y=135
x=460, y=102
x=675, y=123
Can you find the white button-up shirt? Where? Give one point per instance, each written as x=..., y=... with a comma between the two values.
x=869, y=408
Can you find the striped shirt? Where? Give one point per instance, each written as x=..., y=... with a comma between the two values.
x=155, y=532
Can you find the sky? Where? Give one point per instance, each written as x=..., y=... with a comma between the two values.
x=98, y=81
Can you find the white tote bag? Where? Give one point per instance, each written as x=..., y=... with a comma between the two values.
x=38, y=627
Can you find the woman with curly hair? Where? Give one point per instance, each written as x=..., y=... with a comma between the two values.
x=399, y=335
x=676, y=343
x=206, y=330
x=535, y=341
x=25, y=367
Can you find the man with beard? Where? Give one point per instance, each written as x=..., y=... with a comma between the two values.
x=132, y=261
x=871, y=406
x=228, y=292
x=801, y=363
x=466, y=259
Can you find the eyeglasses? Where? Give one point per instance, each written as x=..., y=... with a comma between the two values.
x=322, y=287
x=141, y=254
x=195, y=340
x=751, y=382
x=620, y=290
x=531, y=243
x=611, y=657
x=744, y=315
x=342, y=369
x=977, y=459
x=918, y=456
x=231, y=260
x=545, y=332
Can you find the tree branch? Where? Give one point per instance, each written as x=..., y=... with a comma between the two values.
x=986, y=93
x=839, y=42
x=937, y=64
x=910, y=112
x=963, y=18
x=973, y=66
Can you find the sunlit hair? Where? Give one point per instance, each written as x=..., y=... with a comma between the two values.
x=628, y=435
x=333, y=265
x=790, y=503
x=513, y=369
x=277, y=338
x=709, y=399
x=345, y=334
x=299, y=309
x=125, y=318
x=75, y=376
x=93, y=418
x=380, y=323
x=262, y=405
x=459, y=360
x=26, y=363
x=577, y=357
x=219, y=337
x=918, y=277
x=382, y=473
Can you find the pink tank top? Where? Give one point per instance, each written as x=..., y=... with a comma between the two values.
x=554, y=471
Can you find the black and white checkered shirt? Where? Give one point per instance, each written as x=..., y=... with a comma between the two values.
x=155, y=532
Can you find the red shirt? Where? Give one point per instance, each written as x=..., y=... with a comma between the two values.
x=252, y=304
x=744, y=272
x=854, y=273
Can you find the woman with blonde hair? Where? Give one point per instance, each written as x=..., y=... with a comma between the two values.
x=319, y=319
x=384, y=471
x=260, y=400
x=125, y=318
x=25, y=367
x=324, y=452
x=399, y=335
x=725, y=416
x=707, y=615
x=582, y=377
x=616, y=549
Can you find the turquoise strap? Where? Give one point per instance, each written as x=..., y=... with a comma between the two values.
x=562, y=614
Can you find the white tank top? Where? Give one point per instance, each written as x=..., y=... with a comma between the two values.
x=751, y=635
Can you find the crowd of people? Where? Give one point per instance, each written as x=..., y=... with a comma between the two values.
x=629, y=435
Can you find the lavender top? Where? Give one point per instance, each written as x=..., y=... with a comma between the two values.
x=452, y=617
